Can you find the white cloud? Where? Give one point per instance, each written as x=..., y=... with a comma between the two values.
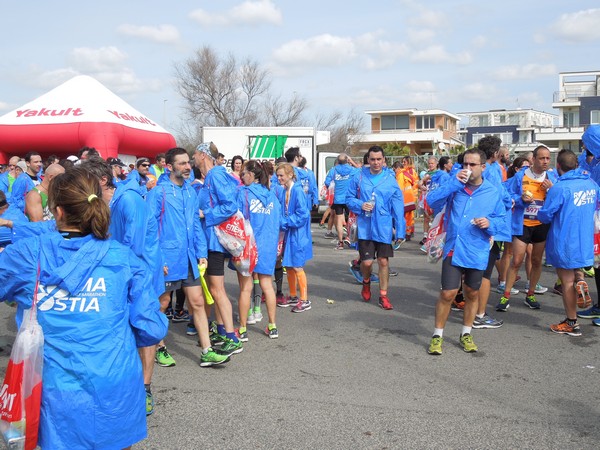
x=477, y=91
x=247, y=13
x=524, y=72
x=429, y=19
x=379, y=53
x=420, y=36
x=97, y=59
x=324, y=50
x=163, y=34
x=420, y=86
x=578, y=26
x=437, y=54
x=480, y=41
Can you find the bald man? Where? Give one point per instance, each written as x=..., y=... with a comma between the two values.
x=36, y=200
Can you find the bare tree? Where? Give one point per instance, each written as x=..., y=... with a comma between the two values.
x=226, y=92
x=341, y=128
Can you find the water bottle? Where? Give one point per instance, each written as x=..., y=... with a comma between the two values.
x=370, y=202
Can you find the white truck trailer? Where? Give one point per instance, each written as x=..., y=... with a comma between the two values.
x=270, y=143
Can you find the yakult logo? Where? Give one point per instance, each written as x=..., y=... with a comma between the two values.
x=126, y=116
x=49, y=112
x=584, y=197
x=56, y=299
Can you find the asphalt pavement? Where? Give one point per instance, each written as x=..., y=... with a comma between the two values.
x=349, y=375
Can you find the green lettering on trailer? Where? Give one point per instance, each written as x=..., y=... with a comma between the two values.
x=268, y=147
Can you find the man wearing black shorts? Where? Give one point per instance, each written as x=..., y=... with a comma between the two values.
x=474, y=213
x=340, y=175
x=528, y=188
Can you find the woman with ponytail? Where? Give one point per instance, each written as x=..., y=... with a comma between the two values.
x=95, y=310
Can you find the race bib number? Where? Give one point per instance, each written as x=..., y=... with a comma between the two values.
x=531, y=211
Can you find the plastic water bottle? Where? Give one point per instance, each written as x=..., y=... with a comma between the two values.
x=370, y=202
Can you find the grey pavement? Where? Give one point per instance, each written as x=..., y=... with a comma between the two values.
x=348, y=374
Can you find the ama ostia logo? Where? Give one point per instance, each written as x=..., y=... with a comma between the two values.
x=54, y=298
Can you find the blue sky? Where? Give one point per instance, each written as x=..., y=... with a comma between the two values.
x=453, y=55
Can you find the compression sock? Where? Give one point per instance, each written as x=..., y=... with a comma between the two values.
x=303, y=284
x=279, y=280
x=232, y=336
x=291, y=277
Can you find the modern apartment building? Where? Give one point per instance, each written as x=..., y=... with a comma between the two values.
x=517, y=128
x=578, y=104
x=423, y=131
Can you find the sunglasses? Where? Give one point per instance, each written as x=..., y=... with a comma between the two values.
x=470, y=165
x=145, y=165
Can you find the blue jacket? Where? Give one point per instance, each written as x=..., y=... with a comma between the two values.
x=389, y=206
x=141, y=181
x=514, y=186
x=295, y=222
x=94, y=309
x=16, y=215
x=22, y=185
x=306, y=178
x=341, y=175
x=569, y=208
x=181, y=238
x=132, y=224
x=470, y=244
x=261, y=206
x=493, y=174
x=5, y=185
x=591, y=139
x=437, y=179
x=217, y=198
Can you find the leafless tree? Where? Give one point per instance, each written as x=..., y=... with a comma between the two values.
x=341, y=127
x=225, y=92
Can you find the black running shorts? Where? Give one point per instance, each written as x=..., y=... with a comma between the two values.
x=451, y=276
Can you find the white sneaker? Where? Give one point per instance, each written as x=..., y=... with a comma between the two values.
x=251, y=319
x=258, y=316
x=502, y=287
x=539, y=289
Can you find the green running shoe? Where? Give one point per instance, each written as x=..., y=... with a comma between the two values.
x=435, y=347
x=163, y=358
x=230, y=347
x=216, y=339
x=212, y=358
x=503, y=305
x=149, y=403
x=466, y=340
x=532, y=302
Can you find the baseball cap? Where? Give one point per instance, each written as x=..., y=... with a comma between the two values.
x=210, y=149
x=141, y=161
x=115, y=162
x=73, y=158
x=22, y=165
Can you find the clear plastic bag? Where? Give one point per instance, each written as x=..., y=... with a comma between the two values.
x=436, y=238
x=246, y=262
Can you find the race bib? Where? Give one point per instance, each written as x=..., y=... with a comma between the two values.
x=531, y=211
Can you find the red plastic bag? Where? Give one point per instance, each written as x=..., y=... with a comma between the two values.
x=21, y=393
x=436, y=238
x=232, y=234
x=246, y=262
x=352, y=227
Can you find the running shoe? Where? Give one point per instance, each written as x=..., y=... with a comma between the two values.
x=398, y=243
x=423, y=248
x=564, y=328
x=339, y=246
x=251, y=320
x=366, y=291
x=539, y=289
x=384, y=303
x=279, y=297
x=590, y=313
x=272, y=333
x=588, y=271
x=596, y=322
x=212, y=358
x=322, y=225
x=169, y=313
x=329, y=234
x=181, y=316
x=503, y=305
x=435, y=346
x=374, y=278
x=163, y=358
x=487, y=322
x=191, y=330
x=532, y=302
x=216, y=339
x=257, y=314
x=557, y=289
x=466, y=340
x=347, y=242
x=149, y=403
x=393, y=273
x=302, y=306
x=422, y=241
x=458, y=306
x=355, y=271
x=242, y=335
x=583, y=295
x=282, y=302
x=230, y=347
x=502, y=287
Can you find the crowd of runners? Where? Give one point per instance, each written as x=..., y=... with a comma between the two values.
x=180, y=217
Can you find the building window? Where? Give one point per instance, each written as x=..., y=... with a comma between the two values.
x=394, y=122
x=484, y=121
x=502, y=119
x=425, y=122
x=571, y=119
x=595, y=117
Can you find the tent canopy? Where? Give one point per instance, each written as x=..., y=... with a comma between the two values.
x=80, y=112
